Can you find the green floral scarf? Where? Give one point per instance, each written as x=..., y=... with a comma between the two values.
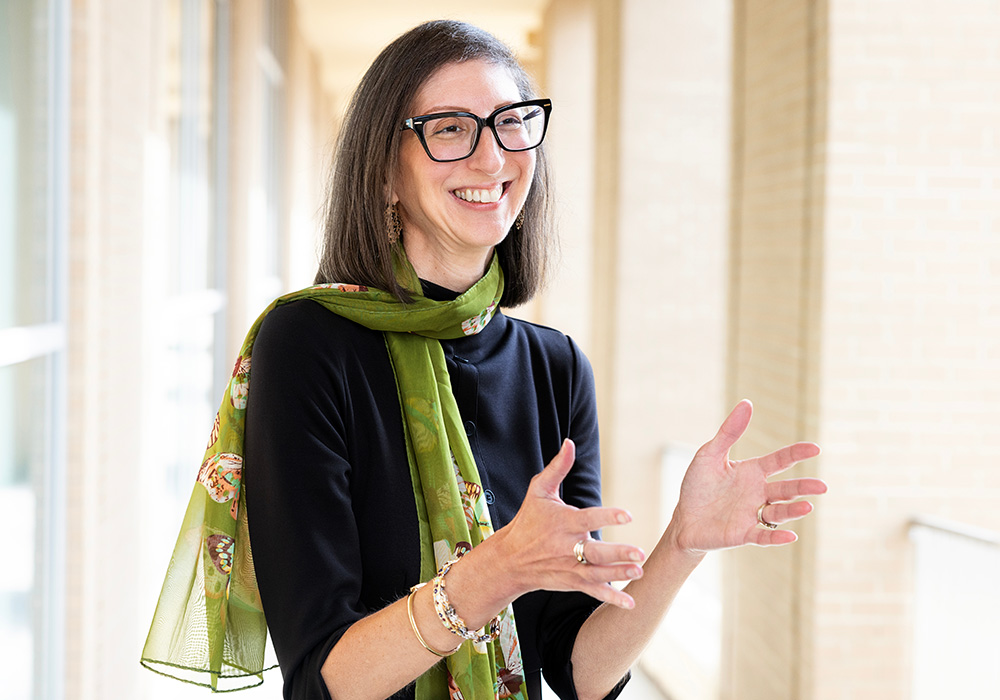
x=209, y=626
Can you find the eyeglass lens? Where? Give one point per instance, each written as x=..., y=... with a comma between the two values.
x=452, y=138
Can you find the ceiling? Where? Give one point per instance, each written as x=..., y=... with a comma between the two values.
x=347, y=35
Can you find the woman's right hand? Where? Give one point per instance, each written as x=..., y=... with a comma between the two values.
x=534, y=551
x=536, y=548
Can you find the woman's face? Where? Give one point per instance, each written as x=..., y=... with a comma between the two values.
x=435, y=200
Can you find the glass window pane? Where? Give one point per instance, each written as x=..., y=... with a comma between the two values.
x=24, y=457
x=181, y=403
x=186, y=349
x=30, y=517
x=24, y=261
x=189, y=103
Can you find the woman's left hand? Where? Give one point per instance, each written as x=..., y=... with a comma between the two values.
x=720, y=497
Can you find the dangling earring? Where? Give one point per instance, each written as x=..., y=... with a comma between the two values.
x=393, y=224
x=519, y=221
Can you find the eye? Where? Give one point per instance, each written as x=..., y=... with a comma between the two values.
x=446, y=128
x=517, y=118
x=509, y=120
x=449, y=129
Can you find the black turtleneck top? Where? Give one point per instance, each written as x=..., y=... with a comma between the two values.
x=333, y=524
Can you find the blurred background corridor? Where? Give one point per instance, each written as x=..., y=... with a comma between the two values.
x=809, y=190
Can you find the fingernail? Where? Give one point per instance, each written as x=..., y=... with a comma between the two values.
x=623, y=518
x=634, y=572
x=635, y=556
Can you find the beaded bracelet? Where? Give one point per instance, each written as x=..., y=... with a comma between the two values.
x=450, y=619
x=416, y=631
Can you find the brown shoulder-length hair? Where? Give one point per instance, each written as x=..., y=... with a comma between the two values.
x=356, y=245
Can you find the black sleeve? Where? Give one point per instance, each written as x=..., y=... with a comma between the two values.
x=297, y=477
x=562, y=614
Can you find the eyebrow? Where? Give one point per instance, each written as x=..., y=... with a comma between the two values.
x=452, y=108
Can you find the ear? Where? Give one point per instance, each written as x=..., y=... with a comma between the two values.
x=391, y=194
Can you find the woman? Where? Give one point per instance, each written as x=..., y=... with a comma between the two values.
x=403, y=439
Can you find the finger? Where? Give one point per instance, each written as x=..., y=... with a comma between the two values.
x=603, y=574
x=790, y=489
x=771, y=538
x=599, y=553
x=547, y=481
x=606, y=593
x=787, y=457
x=779, y=513
x=732, y=428
x=597, y=517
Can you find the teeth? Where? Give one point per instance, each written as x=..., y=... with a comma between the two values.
x=470, y=195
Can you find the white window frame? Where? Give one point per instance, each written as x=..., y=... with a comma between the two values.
x=21, y=344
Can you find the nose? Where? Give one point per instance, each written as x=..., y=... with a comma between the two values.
x=488, y=156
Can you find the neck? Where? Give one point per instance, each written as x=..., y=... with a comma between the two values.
x=451, y=271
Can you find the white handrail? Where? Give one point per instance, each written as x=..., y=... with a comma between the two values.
x=22, y=343
x=951, y=527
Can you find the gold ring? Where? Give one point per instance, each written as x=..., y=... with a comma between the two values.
x=760, y=517
x=578, y=551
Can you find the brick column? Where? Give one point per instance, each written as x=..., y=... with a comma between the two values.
x=110, y=116
x=776, y=237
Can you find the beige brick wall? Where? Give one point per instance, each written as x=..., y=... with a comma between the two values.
x=778, y=91
x=570, y=64
x=865, y=315
x=672, y=227
x=639, y=151
x=911, y=322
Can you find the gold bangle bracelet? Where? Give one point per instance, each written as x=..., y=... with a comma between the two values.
x=413, y=625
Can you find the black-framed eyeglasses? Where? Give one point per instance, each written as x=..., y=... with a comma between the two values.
x=451, y=136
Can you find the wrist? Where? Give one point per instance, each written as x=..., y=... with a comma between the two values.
x=499, y=566
x=674, y=541
x=476, y=588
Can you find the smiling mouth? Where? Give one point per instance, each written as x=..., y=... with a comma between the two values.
x=481, y=195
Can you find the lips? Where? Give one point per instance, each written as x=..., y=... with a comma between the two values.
x=489, y=195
